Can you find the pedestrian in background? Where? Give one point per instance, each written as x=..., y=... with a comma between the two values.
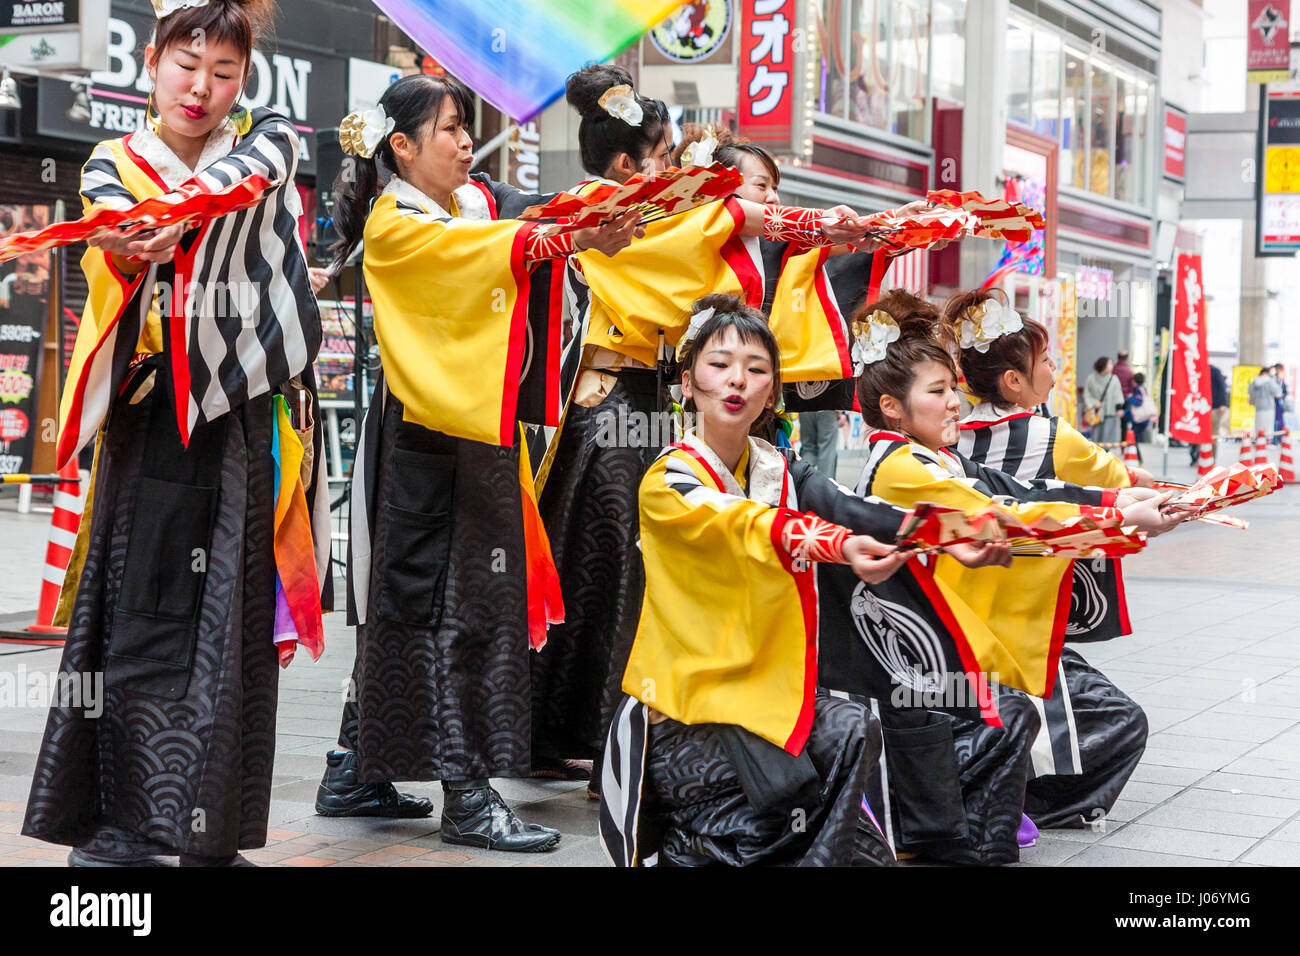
x=1265, y=391
x=1124, y=372
x=1103, y=399
x=1279, y=405
x=1220, y=402
x=1140, y=408
x=819, y=440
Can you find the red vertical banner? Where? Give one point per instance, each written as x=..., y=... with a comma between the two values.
x=1189, y=389
x=1268, y=41
x=767, y=77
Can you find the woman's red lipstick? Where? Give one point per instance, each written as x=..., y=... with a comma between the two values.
x=195, y=112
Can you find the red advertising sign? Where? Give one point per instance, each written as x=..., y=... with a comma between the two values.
x=1175, y=143
x=1268, y=41
x=1189, y=390
x=767, y=77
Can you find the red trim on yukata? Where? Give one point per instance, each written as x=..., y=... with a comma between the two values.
x=967, y=426
x=518, y=335
x=806, y=583
x=487, y=194
x=178, y=341
x=735, y=255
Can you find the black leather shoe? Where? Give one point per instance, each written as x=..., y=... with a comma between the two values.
x=477, y=816
x=113, y=846
x=341, y=794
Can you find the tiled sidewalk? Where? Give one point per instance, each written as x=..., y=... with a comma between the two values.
x=1214, y=661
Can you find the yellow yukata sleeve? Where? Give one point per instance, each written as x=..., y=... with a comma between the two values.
x=724, y=634
x=451, y=318
x=651, y=284
x=807, y=323
x=1077, y=460
x=1013, y=618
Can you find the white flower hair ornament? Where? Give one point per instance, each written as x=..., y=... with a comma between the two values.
x=620, y=102
x=985, y=323
x=871, y=338
x=165, y=8
x=693, y=330
x=700, y=152
x=361, y=133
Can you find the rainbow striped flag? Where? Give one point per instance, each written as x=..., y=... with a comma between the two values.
x=516, y=54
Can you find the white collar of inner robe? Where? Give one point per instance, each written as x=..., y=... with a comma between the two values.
x=170, y=168
x=767, y=471
x=990, y=412
x=469, y=199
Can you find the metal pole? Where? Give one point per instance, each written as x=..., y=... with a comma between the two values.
x=1169, y=364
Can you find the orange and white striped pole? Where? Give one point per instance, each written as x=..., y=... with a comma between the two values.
x=1261, y=447
x=1131, y=450
x=1286, y=466
x=69, y=499
x=1247, y=450
x=1205, y=464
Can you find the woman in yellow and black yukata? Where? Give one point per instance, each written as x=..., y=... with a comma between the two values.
x=629, y=313
x=722, y=749
x=450, y=575
x=192, y=372
x=1011, y=620
x=1092, y=734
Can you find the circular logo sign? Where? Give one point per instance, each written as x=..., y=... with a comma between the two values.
x=694, y=31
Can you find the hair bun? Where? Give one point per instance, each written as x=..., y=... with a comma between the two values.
x=584, y=89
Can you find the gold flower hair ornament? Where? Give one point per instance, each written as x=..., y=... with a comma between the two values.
x=986, y=322
x=700, y=152
x=164, y=8
x=361, y=133
x=620, y=102
x=870, y=338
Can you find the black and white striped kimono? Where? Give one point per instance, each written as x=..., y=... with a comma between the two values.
x=1092, y=734
x=175, y=602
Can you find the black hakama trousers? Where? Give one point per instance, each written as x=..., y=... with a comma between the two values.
x=694, y=798
x=441, y=684
x=1111, y=733
x=175, y=607
x=589, y=507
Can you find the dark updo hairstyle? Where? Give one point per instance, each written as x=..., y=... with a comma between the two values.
x=602, y=137
x=239, y=22
x=1014, y=350
x=413, y=102
x=729, y=151
x=731, y=312
x=923, y=337
x=1101, y=363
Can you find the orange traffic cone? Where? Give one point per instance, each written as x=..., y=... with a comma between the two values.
x=1286, y=467
x=69, y=499
x=1247, y=451
x=1130, y=450
x=1206, y=462
x=1261, y=448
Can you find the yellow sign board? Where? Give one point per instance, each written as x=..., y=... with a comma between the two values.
x=1241, y=414
x=1282, y=169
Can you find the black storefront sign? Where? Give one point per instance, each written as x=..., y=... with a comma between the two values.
x=15, y=15
x=24, y=304
x=1283, y=125
x=307, y=86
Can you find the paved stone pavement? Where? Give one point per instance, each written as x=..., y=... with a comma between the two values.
x=1214, y=661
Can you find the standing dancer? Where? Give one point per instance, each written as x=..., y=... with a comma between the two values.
x=1093, y=734
x=632, y=312
x=187, y=337
x=450, y=573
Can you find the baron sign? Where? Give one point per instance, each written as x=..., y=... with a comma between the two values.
x=53, y=13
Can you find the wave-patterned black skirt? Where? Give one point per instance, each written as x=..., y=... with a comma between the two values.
x=589, y=507
x=441, y=677
x=175, y=608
